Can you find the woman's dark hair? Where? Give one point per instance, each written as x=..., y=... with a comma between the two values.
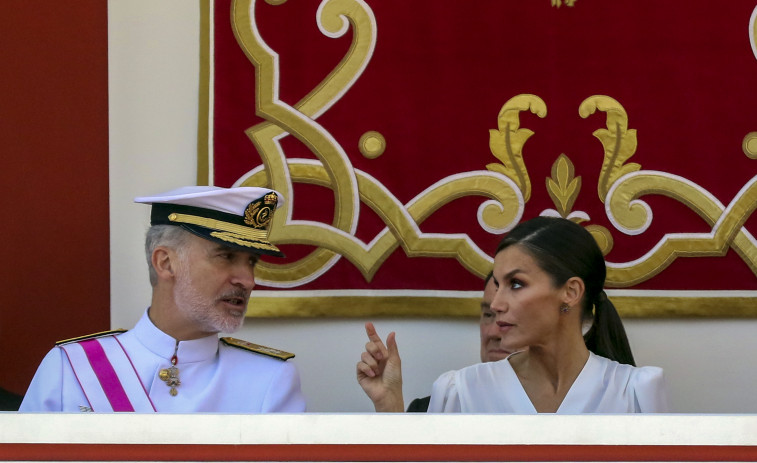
x=564, y=249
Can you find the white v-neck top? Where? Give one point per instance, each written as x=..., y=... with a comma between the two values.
x=603, y=386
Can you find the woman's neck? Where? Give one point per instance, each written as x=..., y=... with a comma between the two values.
x=547, y=372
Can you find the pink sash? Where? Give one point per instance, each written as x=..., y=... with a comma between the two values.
x=107, y=376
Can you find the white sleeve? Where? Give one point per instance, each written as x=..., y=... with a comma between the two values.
x=650, y=391
x=284, y=394
x=45, y=393
x=444, y=395
x=54, y=387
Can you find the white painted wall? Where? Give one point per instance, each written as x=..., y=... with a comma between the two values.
x=153, y=65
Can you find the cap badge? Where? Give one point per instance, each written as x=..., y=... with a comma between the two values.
x=258, y=213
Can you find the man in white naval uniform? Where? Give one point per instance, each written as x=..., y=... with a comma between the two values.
x=201, y=248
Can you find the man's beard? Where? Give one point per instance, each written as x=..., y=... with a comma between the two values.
x=202, y=310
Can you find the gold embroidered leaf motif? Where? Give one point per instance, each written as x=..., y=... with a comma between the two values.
x=563, y=187
x=506, y=143
x=618, y=141
x=619, y=146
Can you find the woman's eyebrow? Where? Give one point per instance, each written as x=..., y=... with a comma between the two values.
x=511, y=273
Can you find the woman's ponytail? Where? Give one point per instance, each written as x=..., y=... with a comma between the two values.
x=607, y=337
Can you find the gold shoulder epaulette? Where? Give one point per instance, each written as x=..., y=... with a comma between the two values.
x=90, y=336
x=257, y=348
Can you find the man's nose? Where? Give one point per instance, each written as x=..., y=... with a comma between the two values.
x=244, y=275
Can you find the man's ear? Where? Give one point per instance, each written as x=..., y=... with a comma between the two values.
x=574, y=291
x=164, y=262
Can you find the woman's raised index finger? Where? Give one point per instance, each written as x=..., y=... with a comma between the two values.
x=370, y=330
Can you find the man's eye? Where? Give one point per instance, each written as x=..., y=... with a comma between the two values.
x=487, y=314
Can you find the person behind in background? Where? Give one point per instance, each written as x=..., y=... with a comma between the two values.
x=549, y=275
x=9, y=401
x=201, y=249
x=386, y=391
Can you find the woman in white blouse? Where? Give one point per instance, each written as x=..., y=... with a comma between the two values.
x=549, y=274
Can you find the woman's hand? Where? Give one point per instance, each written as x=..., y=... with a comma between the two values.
x=379, y=372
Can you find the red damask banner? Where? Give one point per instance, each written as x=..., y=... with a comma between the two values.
x=409, y=136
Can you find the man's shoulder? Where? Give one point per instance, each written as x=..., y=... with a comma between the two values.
x=87, y=337
x=257, y=348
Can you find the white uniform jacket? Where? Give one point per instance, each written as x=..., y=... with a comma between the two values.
x=215, y=377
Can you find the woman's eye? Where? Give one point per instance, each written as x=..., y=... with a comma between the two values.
x=515, y=284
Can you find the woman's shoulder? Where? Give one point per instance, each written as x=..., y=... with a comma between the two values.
x=475, y=373
x=471, y=387
x=451, y=377
x=647, y=378
x=647, y=383
x=643, y=370
x=446, y=378
x=477, y=377
x=480, y=371
x=643, y=373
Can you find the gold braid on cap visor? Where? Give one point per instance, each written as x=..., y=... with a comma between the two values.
x=239, y=230
x=242, y=241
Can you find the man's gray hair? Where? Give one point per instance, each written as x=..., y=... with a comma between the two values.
x=169, y=236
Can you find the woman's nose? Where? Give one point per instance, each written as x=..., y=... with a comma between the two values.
x=499, y=303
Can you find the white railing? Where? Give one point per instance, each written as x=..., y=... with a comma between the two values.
x=376, y=437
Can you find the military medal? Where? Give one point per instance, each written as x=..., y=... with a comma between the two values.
x=170, y=375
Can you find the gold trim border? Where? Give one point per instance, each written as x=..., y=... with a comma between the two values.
x=203, y=110
x=468, y=307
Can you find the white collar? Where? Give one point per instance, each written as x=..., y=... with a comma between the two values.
x=163, y=345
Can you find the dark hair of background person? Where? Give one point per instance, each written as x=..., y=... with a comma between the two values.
x=9, y=402
x=564, y=249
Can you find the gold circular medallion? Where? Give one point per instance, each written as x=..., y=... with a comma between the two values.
x=372, y=144
x=750, y=145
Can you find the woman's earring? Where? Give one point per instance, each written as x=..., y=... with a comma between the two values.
x=565, y=308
